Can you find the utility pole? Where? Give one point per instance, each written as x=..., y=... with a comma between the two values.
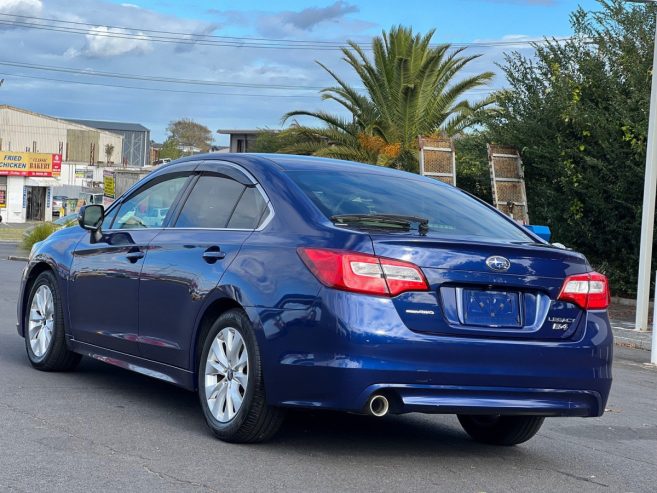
x=648, y=213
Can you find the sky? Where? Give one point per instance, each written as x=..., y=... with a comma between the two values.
x=51, y=52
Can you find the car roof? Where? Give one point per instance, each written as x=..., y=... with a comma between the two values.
x=290, y=162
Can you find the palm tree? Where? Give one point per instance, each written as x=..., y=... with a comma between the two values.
x=409, y=90
x=109, y=150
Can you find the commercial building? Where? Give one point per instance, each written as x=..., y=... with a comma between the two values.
x=40, y=155
x=136, y=150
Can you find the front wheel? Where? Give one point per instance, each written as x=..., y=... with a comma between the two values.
x=230, y=383
x=45, y=338
x=501, y=430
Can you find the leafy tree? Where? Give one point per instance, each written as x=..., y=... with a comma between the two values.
x=472, y=171
x=577, y=111
x=187, y=132
x=272, y=141
x=411, y=89
x=170, y=149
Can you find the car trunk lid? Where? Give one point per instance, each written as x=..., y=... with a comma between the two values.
x=471, y=297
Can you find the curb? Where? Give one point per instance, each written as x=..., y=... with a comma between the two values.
x=631, y=338
x=629, y=343
x=626, y=301
x=18, y=258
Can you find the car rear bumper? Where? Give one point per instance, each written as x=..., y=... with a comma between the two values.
x=348, y=347
x=444, y=399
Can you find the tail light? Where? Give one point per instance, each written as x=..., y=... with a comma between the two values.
x=588, y=291
x=363, y=273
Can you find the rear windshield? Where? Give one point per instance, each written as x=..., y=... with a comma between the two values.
x=449, y=211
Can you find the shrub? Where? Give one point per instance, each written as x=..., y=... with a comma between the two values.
x=39, y=233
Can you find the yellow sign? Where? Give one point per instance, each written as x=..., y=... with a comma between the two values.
x=108, y=184
x=30, y=164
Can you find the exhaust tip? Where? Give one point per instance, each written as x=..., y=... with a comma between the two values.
x=379, y=406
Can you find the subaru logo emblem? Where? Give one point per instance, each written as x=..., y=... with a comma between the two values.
x=498, y=264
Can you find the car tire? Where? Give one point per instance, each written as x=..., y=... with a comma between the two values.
x=228, y=374
x=45, y=337
x=501, y=430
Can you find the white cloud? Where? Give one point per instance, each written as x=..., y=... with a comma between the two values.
x=106, y=42
x=21, y=7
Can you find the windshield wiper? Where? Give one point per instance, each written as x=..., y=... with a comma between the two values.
x=398, y=220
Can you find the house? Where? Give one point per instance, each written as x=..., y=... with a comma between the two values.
x=240, y=140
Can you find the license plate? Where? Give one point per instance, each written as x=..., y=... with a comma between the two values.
x=491, y=308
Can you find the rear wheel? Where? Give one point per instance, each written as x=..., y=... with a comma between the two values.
x=45, y=338
x=501, y=430
x=230, y=383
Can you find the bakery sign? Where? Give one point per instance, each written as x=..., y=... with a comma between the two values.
x=30, y=164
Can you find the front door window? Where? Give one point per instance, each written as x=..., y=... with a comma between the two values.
x=149, y=208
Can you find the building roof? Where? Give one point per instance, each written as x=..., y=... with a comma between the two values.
x=233, y=131
x=77, y=123
x=105, y=125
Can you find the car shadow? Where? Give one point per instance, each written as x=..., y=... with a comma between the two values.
x=310, y=431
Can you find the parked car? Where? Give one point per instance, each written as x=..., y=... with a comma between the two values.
x=58, y=202
x=276, y=282
x=67, y=220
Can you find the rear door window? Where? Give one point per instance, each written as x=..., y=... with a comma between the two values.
x=211, y=203
x=219, y=202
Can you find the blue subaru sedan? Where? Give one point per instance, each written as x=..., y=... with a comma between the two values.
x=269, y=282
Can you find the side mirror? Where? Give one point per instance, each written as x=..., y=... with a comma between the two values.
x=91, y=217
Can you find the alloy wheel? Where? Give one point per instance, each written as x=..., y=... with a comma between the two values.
x=41, y=321
x=226, y=374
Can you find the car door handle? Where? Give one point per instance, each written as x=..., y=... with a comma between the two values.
x=134, y=254
x=212, y=254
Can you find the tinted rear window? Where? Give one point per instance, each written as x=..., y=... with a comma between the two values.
x=211, y=203
x=450, y=211
x=249, y=210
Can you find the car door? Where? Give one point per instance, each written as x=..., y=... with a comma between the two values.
x=104, y=283
x=186, y=261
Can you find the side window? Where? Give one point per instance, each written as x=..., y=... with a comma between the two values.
x=149, y=208
x=249, y=210
x=211, y=203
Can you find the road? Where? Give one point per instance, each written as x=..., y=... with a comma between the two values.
x=106, y=429
x=10, y=249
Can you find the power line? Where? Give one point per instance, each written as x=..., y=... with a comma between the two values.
x=177, y=33
x=161, y=36
x=162, y=39
x=160, y=89
x=116, y=75
x=169, y=80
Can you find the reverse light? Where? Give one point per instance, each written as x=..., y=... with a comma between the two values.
x=363, y=273
x=588, y=291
